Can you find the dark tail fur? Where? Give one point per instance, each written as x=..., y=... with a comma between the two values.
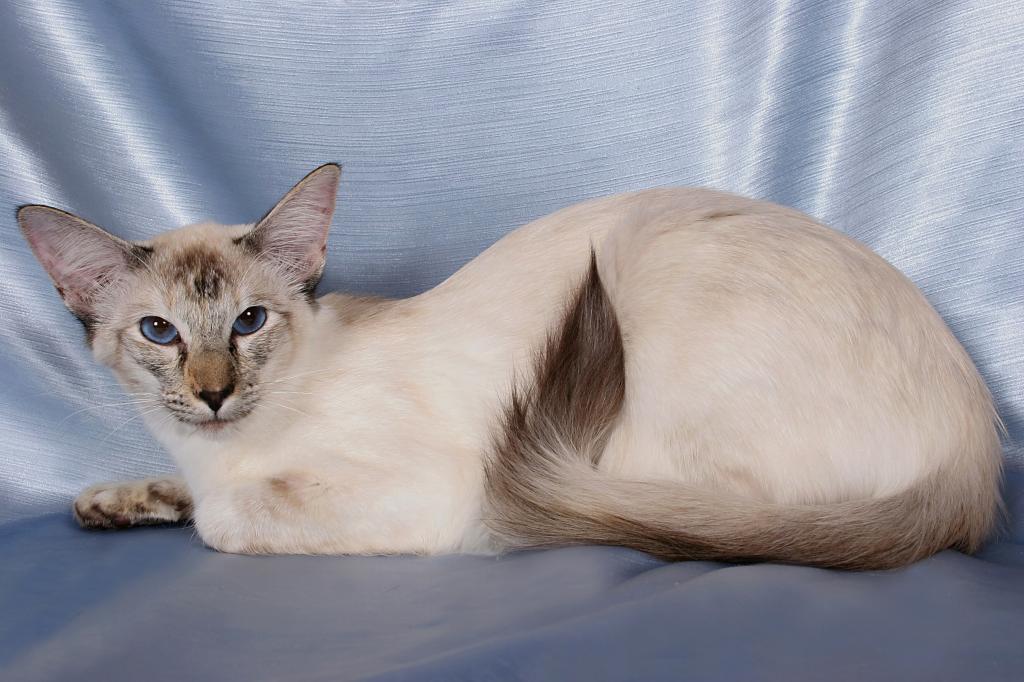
x=543, y=487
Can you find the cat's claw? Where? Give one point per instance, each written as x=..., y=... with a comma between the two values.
x=133, y=503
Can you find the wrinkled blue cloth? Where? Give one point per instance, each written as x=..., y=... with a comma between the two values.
x=899, y=123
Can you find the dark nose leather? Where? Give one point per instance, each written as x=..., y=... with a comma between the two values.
x=215, y=398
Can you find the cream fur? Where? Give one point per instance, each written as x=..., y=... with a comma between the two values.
x=766, y=356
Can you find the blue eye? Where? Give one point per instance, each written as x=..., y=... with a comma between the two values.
x=250, y=320
x=158, y=330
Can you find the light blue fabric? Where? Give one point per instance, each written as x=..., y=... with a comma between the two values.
x=899, y=123
x=153, y=604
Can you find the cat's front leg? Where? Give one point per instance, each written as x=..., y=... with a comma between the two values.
x=133, y=503
x=363, y=511
x=287, y=513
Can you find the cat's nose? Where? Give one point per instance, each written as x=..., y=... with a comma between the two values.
x=216, y=397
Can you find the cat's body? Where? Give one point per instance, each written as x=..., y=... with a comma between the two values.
x=787, y=395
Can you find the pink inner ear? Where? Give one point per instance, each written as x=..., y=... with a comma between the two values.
x=79, y=257
x=295, y=231
x=322, y=187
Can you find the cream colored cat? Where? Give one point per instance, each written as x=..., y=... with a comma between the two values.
x=683, y=371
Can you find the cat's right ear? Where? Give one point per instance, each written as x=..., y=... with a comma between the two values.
x=80, y=258
x=293, y=235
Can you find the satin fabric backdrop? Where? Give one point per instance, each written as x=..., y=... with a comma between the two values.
x=898, y=123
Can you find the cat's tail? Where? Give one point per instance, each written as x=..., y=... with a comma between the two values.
x=543, y=487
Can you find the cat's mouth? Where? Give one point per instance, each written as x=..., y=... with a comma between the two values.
x=214, y=424
x=211, y=424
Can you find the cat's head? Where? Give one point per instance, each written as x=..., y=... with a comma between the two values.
x=203, y=319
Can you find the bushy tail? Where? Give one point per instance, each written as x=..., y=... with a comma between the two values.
x=543, y=487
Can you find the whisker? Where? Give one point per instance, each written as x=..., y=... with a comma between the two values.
x=302, y=374
x=141, y=413
x=286, y=407
x=108, y=406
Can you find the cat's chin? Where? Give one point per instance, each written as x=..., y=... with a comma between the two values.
x=213, y=428
x=214, y=425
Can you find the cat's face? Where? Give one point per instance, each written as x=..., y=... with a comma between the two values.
x=204, y=320
x=202, y=323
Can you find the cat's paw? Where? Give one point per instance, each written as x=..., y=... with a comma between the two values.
x=133, y=503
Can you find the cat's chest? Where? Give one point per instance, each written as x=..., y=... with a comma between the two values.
x=373, y=419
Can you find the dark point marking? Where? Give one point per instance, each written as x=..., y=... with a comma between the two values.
x=309, y=287
x=542, y=487
x=205, y=269
x=139, y=255
x=151, y=367
x=568, y=410
x=721, y=214
x=173, y=498
x=262, y=346
x=89, y=325
x=251, y=242
x=207, y=284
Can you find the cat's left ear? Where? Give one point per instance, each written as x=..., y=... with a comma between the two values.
x=293, y=234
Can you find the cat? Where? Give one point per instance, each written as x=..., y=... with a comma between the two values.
x=682, y=371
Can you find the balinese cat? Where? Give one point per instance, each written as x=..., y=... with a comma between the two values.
x=683, y=371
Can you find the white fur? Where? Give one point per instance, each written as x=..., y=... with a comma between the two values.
x=766, y=355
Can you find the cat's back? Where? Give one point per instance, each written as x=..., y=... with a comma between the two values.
x=741, y=315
